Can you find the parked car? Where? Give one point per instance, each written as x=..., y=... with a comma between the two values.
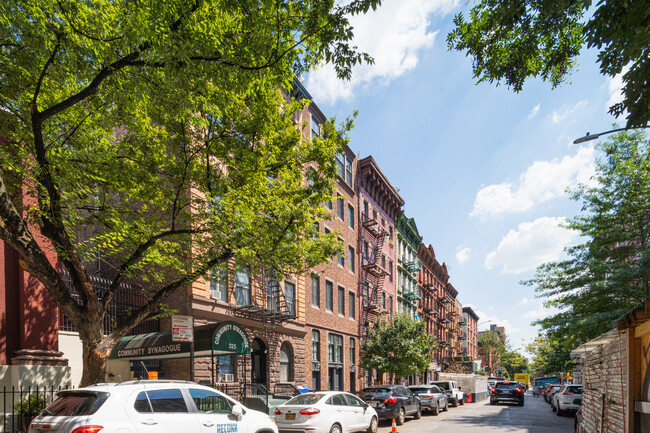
x=452, y=391
x=577, y=423
x=431, y=397
x=507, y=391
x=326, y=411
x=567, y=399
x=392, y=402
x=550, y=390
x=148, y=406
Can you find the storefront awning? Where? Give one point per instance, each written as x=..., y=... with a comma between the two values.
x=226, y=338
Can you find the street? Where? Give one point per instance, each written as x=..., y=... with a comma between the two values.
x=535, y=417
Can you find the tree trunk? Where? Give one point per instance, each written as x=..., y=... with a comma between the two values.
x=95, y=357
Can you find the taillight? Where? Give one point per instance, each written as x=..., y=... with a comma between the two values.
x=568, y=393
x=518, y=391
x=390, y=400
x=88, y=429
x=277, y=412
x=310, y=411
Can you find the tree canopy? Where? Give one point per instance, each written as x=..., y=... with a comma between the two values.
x=400, y=347
x=511, y=41
x=607, y=275
x=156, y=137
x=550, y=356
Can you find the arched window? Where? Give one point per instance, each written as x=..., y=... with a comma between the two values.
x=286, y=362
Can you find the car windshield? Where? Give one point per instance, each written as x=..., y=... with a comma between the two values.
x=376, y=391
x=76, y=403
x=507, y=385
x=574, y=389
x=304, y=399
x=443, y=385
x=422, y=390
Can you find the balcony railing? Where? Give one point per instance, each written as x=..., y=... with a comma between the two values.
x=413, y=267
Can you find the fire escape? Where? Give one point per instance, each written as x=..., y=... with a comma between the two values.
x=270, y=306
x=371, y=281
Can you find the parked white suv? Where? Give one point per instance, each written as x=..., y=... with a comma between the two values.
x=452, y=391
x=567, y=399
x=149, y=407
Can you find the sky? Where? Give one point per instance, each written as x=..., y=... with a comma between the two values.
x=484, y=171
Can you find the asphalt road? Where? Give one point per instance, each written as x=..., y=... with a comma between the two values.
x=534, y=417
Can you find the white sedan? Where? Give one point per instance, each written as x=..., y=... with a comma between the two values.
x=326, y=412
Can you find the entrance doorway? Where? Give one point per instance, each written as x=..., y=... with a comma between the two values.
x=259, y=362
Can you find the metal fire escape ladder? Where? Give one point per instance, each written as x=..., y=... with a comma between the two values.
x=372, y=275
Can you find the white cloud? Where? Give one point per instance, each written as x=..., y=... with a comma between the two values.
x=394, y=35
x=534, y=111
x=524, y=301
x=615, y=88
x=462, y=255
x=566, y=111
x=532, y=244
x=485, y=320
x=541, y=182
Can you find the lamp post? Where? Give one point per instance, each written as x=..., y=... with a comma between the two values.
x=590, y=137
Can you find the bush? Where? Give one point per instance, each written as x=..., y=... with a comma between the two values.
x=31, y=405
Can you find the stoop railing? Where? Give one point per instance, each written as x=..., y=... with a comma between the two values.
x=18, y=406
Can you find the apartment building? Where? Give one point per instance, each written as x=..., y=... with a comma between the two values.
x=470, y=332
x=379, y=205
x=408, y=290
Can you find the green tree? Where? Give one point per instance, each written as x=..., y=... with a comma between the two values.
x=607, y=275
x=153, y=135
x=400, y=347
x=493, y=343
x=550, y=356
x=514, y=362
x=510, y=41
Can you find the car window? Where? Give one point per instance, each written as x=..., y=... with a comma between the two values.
x=304, y=399
x=337, y=400
x=407, y=392
x=77, y=403
x=142, y=403
x=370, y=392
x=507, y=385
x=575, y=389
x=443, y=385
x=436, y=390
x=418, y=391
x=166, y=400
x=354, y=401
x=210, y=402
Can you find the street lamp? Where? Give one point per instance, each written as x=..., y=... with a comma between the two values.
x=590, y=137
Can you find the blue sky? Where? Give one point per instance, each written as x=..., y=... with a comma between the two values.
x=483, y=170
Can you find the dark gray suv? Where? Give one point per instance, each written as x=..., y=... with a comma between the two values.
x=392, y=402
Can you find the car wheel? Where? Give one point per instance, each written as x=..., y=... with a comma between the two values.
x=373, y=425
x=335, y=429
x=461, y=401
x=400, y=417
x=521, y=403
x=436, y=409
x=553, y=408
x=418, y=414
x=454, y=403
x=492, y=402
x=559, y=412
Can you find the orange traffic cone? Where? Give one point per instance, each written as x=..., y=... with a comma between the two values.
x=394, y=427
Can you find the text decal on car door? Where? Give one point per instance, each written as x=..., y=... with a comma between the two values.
x=227, y=428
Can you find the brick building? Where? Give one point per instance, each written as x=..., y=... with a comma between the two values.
x=470, y=332
x=379, y=205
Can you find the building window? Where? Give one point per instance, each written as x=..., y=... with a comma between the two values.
x=340, y=165
x=351, y=216
x=352, y=305
x=390, y=271
x=390, y=306
x=348, y=171
x=335, y=348
x=340, y=208
x=219, y=284
x=329, y=295
x=365, y=209
x=353, y=355
x=290, y=297
x=341, y=301
x=243, y=287
x=341, y=257
x=315, y=345
x=286, y=362
x=315, y=127
x=351, y=259
x=272, y=294
x=383, y=261
x=328, y=204
x=383, y=300
x=315, y=291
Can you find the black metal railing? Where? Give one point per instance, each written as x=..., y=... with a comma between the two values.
x=20, y=405
x=126, y=298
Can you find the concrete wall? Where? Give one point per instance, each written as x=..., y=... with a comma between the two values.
x=70, y=345
x=474, y=386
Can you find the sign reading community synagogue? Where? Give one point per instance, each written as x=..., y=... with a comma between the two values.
x=148, y=351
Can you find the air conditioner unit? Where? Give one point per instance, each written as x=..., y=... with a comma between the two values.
x=226, y=377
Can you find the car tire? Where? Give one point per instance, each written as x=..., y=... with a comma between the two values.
x=492, y=402
x=436, y=409
x=418, y=413
x=553, y=408
x=454, y=403
x=559, y=412
x=446, y=408
x=461, y=401
x=521, y=403
x=400, y=417
x=374, y=425
x=336, y=428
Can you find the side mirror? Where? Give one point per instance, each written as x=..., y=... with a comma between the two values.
x=238, y=412
x=460, y=388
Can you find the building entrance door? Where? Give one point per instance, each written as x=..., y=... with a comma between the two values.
x=259, y=365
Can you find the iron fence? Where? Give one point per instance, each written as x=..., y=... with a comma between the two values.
x=21, y=405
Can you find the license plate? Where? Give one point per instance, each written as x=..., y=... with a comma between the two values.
x=290, y=416
x=507, y=392
x=373, y=404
